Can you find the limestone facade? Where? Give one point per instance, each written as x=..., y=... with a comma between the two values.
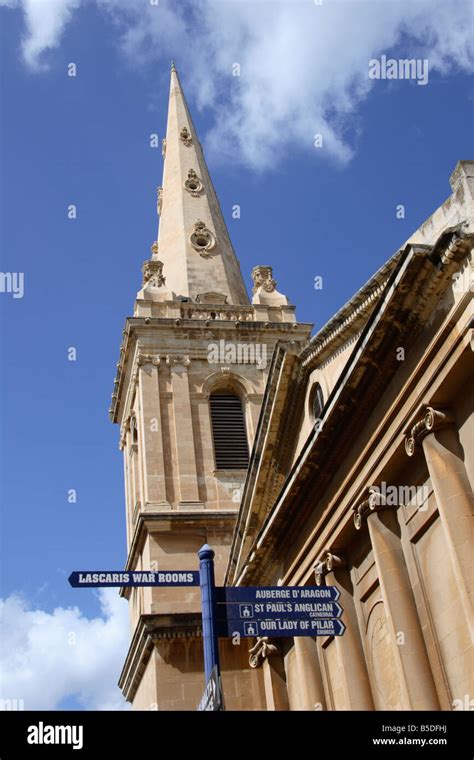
x=372, y=489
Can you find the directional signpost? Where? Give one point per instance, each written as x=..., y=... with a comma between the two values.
x=248, y=611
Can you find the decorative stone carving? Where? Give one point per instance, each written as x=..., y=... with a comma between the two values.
x=262, y=277
x=375, y=501
x=163, y=147
x=324, y=565
x=202, y=239
x=432, y=419
x=173, y=360
x=260, y=651
x=153, y=273
x=264, y=288
x=193, y=184
x=148, y=359
x=159, y=199
x=153, y=281
x=185, y=136
x=457, y=247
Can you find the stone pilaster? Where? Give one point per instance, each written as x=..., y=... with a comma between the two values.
x=332, y=570
x=435, y=433
x=187, y=472
x=310, y=683
x=415, y=676
x=151, y=436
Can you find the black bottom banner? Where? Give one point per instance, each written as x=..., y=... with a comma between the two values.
x=373, y=734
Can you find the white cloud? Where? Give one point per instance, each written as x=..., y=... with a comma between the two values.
x=304, y=66
x=45, y=21
x=48, y=656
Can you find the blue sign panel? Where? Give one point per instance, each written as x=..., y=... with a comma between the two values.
x=279, y=628
x=253, y=594
x=95, y=578
x=274, y=610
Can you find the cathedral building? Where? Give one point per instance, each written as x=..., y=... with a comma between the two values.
x=346, y=458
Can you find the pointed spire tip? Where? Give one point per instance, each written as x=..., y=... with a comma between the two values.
x=173, y=67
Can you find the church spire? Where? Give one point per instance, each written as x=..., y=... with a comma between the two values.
x=193, y=241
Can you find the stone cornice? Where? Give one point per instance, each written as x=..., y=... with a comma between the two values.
x=135, y=327
x=194, y=517
x=340, y=327
x=150, y=629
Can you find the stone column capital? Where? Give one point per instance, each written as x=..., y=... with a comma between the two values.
x=144, y=359
x=429, y=420
x=326, y=564
x=178, y=361
x=260, y=651
x=374, y=501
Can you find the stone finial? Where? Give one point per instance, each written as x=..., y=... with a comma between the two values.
x=153, y=279
x=264, y=287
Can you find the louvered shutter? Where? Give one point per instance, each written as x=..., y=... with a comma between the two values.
x=229, y=433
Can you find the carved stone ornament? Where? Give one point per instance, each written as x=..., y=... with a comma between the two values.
x=185, y=136
x=163, y=147
x=173, y=360
x=260, y=651
x=193, y=184
x=148, y=359
x=263, y=278
x=324, y=565
x=373, y=503
x=202, y=239
x=432, y=419
x=153, y=273
x=264, y=288
x=159, y=199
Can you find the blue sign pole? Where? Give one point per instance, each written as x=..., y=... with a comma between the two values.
x=208, y=603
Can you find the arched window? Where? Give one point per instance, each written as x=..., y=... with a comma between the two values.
x=228, y=432
x=317, y=404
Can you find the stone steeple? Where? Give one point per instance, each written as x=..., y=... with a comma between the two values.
x=190, y=382
x=199, y=262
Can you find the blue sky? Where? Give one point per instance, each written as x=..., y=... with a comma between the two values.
x=84, y=140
